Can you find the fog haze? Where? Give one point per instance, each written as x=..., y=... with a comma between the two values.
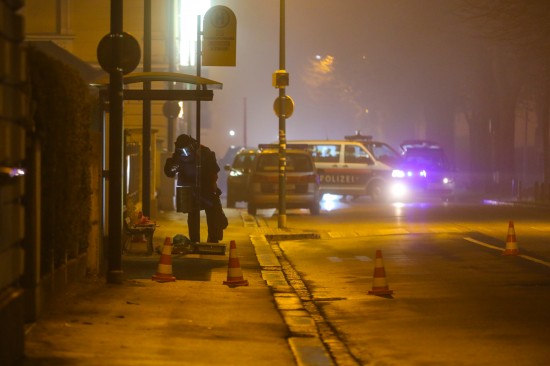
x=378, y=53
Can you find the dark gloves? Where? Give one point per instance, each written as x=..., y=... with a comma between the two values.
x=171, y=167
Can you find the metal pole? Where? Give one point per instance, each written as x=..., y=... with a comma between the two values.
x=116, y=144
x=171, y=67
x=194, y=230
x=245, y=127
x=146, y=164
x=282, y=124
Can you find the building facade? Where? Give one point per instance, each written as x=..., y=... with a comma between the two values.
x=70, y=30
x=15, y=187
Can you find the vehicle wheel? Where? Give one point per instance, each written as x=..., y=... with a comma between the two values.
x=230, y=200
x=315, y=209
x=376, y=192
x=251, y=209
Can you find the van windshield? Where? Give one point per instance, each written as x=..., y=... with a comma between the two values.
x=383, y=152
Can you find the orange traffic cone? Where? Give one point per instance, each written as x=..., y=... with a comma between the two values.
x=234, y=272
x=379, y=284
x=511, y=243
x=164, y=269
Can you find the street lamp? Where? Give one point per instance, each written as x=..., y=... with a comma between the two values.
x=282, y=122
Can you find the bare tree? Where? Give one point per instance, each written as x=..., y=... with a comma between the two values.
x=517, y=34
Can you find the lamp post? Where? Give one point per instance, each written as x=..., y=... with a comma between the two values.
x=282, y=123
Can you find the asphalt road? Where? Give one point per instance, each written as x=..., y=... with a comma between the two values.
x=457, y=300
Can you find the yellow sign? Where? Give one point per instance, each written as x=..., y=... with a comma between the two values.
x=219, y=43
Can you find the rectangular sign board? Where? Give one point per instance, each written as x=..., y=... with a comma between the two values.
x=219, y=43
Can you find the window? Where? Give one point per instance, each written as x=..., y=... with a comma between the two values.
x=298, y=163
x=268, y=163
x=132, y=169
x=427, y=157
x=326, y=153
x=294, y=163
x=355, y=154
x=383, y=152
x=244, y=161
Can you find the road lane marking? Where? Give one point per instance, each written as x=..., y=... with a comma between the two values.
x=542, y=228
x=362, y=258
x=528, y=257
x=342, y=234
x=539, y=261
x=483, y=244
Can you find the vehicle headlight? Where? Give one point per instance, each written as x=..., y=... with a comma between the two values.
x=423, y=173
x=235, y=173
x=447, y=180
x=396, y=173
x=398, y=190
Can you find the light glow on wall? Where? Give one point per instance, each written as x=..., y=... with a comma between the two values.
x=186, y=26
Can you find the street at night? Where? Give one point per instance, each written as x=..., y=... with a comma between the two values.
x=457, y=300
x=274, y=182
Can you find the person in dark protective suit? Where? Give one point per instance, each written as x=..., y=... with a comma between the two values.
x=183, y=163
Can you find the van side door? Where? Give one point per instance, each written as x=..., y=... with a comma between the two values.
x=358, y=164
x=343, y=169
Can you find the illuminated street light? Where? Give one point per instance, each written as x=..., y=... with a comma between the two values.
x=188, y=10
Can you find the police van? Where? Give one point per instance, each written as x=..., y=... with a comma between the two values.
x=349, y=168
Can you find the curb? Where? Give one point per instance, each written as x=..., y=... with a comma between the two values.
x=304, y=341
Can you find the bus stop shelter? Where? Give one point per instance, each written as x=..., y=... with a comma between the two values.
x=203, y=91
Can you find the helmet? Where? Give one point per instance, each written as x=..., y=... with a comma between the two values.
x=185, y=145
x=180, y=239
x=181, y=244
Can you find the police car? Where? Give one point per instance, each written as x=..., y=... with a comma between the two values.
x=426, y=169
x=347, y=167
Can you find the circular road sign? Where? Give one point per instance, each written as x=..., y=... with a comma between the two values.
x=131, y=53
x=287, y=106
x=171, y=109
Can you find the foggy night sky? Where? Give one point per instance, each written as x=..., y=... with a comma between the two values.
x=379, y=49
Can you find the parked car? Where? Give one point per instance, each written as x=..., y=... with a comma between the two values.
x=238, y=174
x=227, y=159
x=426, y=169
x=301, y=185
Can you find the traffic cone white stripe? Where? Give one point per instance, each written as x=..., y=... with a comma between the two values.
x=164, y=269
x=234, y=272
x=379, y=283
x=511, y=243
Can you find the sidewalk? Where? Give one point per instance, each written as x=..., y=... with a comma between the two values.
x=195, y=320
